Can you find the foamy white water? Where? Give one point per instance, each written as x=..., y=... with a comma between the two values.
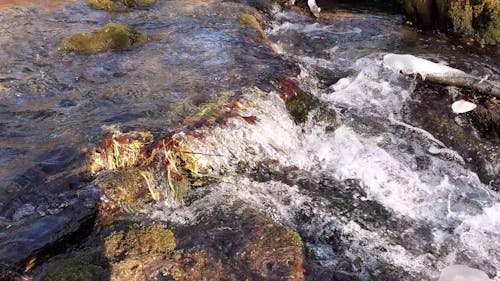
x=375, y=191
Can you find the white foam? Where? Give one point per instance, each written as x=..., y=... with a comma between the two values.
x=387, y=174
x=275, y=136
x=303, y=27
x=480, y=235
x=370, y=90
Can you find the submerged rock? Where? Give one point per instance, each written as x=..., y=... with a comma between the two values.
x=113, y=36
x=119, y=5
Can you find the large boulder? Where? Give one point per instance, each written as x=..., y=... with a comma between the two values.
x=477, y=18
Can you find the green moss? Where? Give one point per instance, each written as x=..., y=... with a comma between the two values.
x=125, y=186
x=83, y=268
x=461, y=15
x=297, y=240
x=480, y=18
x=119, y=5
x=108, y=5
x=250, y=20
x=151, y=239
x=113, y=36
x=492, y=32
x=138, y=240
x=113, y=245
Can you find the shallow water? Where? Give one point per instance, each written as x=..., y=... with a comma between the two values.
x=372, y=193
x=54, y=101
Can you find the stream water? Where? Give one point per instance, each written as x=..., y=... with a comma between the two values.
x=372, y=190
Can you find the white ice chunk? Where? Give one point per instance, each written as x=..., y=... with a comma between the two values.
x=462, y=273
x=314, y=7
x=409, y=64
x=463, y=106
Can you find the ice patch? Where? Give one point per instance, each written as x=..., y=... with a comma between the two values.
x=409, y=64
x=462, y=106
x=315, y=10
x=462, y=273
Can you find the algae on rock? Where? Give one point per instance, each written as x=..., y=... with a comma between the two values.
x=138, y=240
x=252, y=21
x=479, y=18
x=122, y=258
x=113, y=36
x=89, y=266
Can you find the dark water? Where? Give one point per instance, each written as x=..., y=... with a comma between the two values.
x=376, y=192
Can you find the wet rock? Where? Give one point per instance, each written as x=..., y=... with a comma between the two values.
x=139, y=240
x=261, y=5
x=113, y=36
x=486, y=118
x=45, y=235
x=472, y=135
x=126, y=186
x=239, y=244
x=301, y=105
x=67, y=103
x=122, y=255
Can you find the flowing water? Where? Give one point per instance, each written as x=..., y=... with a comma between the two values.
x=372, y=191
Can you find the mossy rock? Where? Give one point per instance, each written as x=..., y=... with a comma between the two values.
x=301, y=104
x=119, y=5
x=252, y=21
x=295, y=237
x=478, y=18
x=90, y=266
x=486, y=119
x=140, y=240
x=125, y=186
x=492, y=28
x=113, y=36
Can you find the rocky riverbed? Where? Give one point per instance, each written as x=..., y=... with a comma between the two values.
x=238, y=140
